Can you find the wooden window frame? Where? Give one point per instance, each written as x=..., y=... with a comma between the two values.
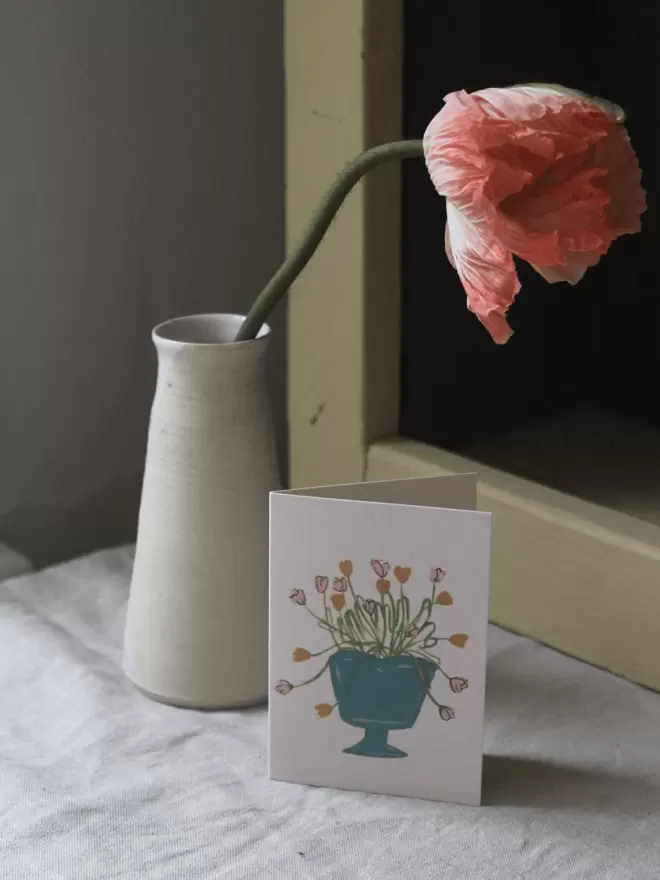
x=580, y=577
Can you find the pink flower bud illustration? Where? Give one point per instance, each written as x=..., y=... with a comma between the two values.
x=458, y=684
x=283, y=687
x=340, y=585
x=380, y=567
x=437, y=575
x=321, y=583
x=446, y=713
x=298, y=596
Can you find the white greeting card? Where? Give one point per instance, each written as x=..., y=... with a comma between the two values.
x=378, y=616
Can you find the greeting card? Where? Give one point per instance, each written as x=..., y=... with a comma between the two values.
x=378, y=617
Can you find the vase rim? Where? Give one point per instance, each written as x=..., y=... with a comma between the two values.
x=206, y=330
x=354, y=652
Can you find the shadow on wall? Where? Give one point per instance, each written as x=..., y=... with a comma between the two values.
x=145, y=148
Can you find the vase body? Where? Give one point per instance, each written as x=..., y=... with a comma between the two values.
x=197, y=620
x=379, y=694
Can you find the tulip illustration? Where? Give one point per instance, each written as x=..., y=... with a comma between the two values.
x=383, y=586
x=458, y=684
x=370, y=606
x=402, y=574
x=323, y=709
x=338, y=601
x=376, y=636
x=458, y=640
x=380, y=567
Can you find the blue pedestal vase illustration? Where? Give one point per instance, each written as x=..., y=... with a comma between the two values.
x=379, y=694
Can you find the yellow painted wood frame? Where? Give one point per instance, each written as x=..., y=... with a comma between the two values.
x=574, y=575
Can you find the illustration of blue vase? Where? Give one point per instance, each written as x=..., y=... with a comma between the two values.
x=379, y=694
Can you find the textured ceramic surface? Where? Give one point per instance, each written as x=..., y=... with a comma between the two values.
x=196, y=631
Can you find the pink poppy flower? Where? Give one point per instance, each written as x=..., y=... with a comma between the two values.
x=321, y=583
x=340, y=585
x=380, y=567
x=298, y=596
x=538, y=171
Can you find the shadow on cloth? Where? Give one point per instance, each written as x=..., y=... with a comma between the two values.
x=523, y=782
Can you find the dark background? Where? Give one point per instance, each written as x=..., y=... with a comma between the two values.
x=595, y=344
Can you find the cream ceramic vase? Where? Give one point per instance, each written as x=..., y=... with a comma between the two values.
x=197, y=623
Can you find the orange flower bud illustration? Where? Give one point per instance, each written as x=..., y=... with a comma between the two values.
x=383, y=586
x=301, y=654
x=444, y=598
x=458, y=640
x=323, y=710
x=402, y=574
x=338, y=601
x=346, y=567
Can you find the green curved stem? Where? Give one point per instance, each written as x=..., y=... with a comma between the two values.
x=314, y=677
x=282, y=280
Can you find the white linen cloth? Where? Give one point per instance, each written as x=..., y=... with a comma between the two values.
x=99, y=782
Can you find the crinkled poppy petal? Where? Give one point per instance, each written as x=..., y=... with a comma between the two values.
x=572, y=272
x=541, y=172
x=621, y=181
x=486, y=270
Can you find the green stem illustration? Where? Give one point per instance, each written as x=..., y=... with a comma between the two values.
x=427, y=688
x=314, y=677
x=322, y=623
x=324, y=651
x=328, y=618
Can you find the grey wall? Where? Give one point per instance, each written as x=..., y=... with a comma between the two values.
x=141, y=164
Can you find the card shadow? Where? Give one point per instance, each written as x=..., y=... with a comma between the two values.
x=527, y=782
